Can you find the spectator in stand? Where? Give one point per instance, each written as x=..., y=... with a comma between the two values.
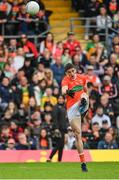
x=43, y=17
x=47, y=124
x=58, y=50
x=46, y=58
x=7, y=118
x=113, y=131
x=3, y=53
x=5, y=9
x=5, y=134
x=90, y=11
x=11, y=67
x=116, y=50
x=48, y=97
x=117, y=130
x=86, y=133
x=117, y=83
x=37, y=91
x=5, y=93
x=48, y=107
x=35, y=130
x=15, y=129
x=66, y=57
x=76, y=63
x=92, y=108
x=113, y=62
x=98, y=69
x=107, y=106
x=70, y=139
x=115, y=41
x=104, y=129
x=51, y=82
x=82, y=56
x=32, y=106
x=13, y=27
x=95, y=46
x=25, y=21
x=18, y=60
x=43, y=86
x=22, y=142
x=28, y=46
x=99, y=117
x=12, y=48
x=14, y=11
x=103, y=20
x=58, y=69
x=40, y=71
x=116, y=21
x=113, y=7
x=17, y=78
x=108, y=87
x=48, y=43
x=9, y=71
x=12, y=108
x=25, y=91
x=93, y=93
x=94, y=138
x=44, y=142
x=28, y=67
x=116, y=100
x=11, y=144
x=108, y=142
x=109, y=71
x=71, y=43
x=91, y=77
x=56, y=91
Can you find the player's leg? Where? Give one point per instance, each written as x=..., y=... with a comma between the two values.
x=76, y=127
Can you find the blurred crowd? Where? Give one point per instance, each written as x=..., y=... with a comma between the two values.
x=32, y=110
x=100, y=14
x=14, y=20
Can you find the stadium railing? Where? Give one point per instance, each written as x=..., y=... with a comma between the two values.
x=72, y=27
x=34, y=36
x=83, y=24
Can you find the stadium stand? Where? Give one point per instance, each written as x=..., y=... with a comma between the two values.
x=33, y=54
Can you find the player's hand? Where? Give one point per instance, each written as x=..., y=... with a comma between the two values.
x=83, y=102
x=70, y=93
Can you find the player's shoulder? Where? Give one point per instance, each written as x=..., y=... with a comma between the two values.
x=83, y=76
x=65, y=80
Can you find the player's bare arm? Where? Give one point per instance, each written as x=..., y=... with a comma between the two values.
x=64, y=90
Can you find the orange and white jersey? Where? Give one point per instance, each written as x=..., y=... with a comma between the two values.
x=81, y=81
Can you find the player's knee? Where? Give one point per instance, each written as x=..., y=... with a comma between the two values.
x=77, y=134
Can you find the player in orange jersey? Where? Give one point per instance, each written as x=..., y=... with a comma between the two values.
x=74, y=87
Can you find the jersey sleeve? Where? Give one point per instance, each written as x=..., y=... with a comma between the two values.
x=64, y=82
x=85, y=80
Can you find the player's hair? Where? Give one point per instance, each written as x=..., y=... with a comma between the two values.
x=69, y=66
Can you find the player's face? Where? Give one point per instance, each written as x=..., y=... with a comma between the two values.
x=71, y=73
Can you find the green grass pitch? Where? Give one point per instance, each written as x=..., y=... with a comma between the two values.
x=58, y=171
